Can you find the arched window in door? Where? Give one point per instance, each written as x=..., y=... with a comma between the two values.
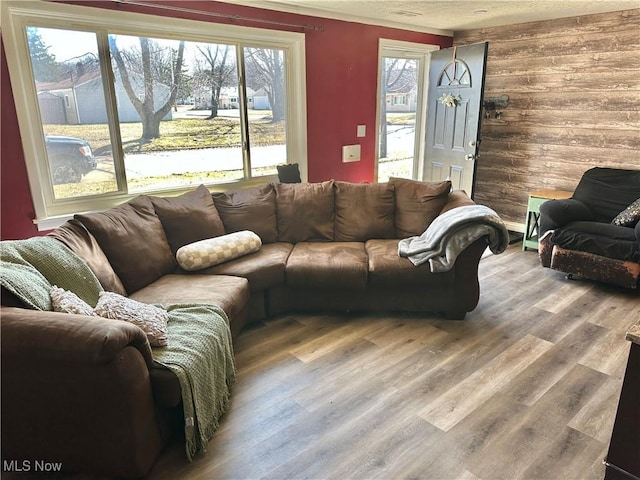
x=456, y=73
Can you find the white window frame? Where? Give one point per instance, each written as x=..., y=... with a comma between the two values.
x=422, y=53
x=16, y=15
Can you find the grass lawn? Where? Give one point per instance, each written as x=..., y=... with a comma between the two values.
x=178, y=134
x=394, y=118
x=96, y=187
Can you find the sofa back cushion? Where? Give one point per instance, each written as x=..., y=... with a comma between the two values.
x=608, y=191
x=79, y=240
x=132, y=237
x=251, y=209
x=305, y=211
x=188, y=218
x=364, y=211
x=417, y=204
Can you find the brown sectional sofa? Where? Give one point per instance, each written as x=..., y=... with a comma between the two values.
x=85, y=392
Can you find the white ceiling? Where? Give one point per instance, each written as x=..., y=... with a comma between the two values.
x=443, y=16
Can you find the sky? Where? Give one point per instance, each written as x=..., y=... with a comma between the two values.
x=67, y=44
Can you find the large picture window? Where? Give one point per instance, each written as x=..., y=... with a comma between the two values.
x=120, y=104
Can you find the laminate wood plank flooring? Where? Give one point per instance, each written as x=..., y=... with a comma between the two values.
x=460, y=401
x=526, y=387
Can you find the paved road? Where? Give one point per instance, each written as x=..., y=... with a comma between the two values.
x=400, y=138
x=201, y=160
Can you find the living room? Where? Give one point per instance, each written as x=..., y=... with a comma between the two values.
x=572, y=88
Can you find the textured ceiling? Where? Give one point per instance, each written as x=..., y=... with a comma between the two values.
x=443, y=16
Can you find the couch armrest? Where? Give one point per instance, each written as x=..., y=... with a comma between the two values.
x=557, y=213
x=76, y=390
x=456, y=198
x=53, y=336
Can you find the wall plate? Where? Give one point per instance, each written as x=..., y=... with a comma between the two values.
x=351, y=153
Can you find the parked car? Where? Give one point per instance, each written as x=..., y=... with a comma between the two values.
x=69, y=158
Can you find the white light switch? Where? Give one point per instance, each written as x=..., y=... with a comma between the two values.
x=350, y=153
x=362, y=130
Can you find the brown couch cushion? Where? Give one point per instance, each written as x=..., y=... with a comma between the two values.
x=132, y=237
x=417, y=204
x=249, y=209
x=78, y=239
x=188, y=218
x=229, y=293
x=305, y=211
x=327, y=265
x=388, y=269
x=263, y=269
x=364, y=211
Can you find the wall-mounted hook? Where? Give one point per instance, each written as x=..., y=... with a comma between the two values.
x=490, y=105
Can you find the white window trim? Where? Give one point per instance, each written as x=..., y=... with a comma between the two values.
x=422, y=52
x=17, y=14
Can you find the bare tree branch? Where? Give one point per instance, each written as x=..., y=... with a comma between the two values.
x=129, y=64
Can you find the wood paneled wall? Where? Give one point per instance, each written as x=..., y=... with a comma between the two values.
x=574, y=103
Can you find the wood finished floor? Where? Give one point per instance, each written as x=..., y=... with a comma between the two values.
x=526, y=387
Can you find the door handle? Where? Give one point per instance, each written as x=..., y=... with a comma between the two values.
x=470, y=157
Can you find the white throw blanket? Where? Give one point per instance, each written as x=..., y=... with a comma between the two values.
x=453, y=231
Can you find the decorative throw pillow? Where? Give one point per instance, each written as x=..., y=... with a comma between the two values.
x=151, y=319
x=132, y=238
x=188, y=218
x=289, y=173
x=214, y=251
x=629, y=216
x=417, y=204
x=66, y=301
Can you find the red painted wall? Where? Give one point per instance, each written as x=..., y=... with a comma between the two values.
x=342, y=65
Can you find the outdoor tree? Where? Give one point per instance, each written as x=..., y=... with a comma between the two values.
x=45, y=66
x=398, y=75
x=185, y=89
x=219, y=70
x=265, y=68
x=146, y=69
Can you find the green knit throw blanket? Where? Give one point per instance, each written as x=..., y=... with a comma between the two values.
x=29, y=268
x=200, y=354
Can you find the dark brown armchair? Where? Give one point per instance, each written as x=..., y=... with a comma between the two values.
x=595, y=234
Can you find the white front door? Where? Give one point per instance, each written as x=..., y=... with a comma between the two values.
x=456, y=84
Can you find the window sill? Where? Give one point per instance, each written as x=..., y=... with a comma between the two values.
x=50, y=223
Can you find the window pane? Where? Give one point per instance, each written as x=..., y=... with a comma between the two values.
x=266, y=107
x=66, y=68
x=178, y=112
x=399, y=85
